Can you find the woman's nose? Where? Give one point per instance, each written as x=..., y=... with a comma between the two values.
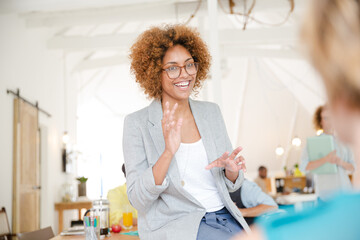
x=183, y=73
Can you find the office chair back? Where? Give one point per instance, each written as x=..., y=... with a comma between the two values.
x=42, y=234
x=5, y=232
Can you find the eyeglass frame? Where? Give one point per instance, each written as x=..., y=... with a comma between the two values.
x=181, y=67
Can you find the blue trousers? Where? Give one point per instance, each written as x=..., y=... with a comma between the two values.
x=219, y=225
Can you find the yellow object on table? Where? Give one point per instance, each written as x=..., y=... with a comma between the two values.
x=127, y=220
x=297, y=172
x=118, y=200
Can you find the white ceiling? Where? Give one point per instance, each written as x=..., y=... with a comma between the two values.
x=95, y=36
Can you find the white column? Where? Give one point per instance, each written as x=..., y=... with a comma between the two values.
x=214, y=50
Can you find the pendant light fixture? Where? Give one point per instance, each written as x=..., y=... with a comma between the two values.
x=279, y=150
x=296, y=141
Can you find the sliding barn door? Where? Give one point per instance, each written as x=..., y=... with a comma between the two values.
x=26, y=168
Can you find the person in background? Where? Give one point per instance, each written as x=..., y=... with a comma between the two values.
x=252, y=201
x=332, y=35
x=326, y=184
x=260, y=180
x=118, y=200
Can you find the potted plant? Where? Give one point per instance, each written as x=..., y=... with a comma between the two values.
x=82, y=186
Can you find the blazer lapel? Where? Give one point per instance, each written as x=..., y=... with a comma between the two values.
x=205, y=133
x=155, y=129
x=154, y=126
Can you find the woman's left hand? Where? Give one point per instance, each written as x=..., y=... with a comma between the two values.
x=229, y=162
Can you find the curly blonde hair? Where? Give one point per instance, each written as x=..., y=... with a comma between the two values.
x=332, y=36
x=147, y=53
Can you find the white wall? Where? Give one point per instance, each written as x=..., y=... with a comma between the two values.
x=25, y=63
x=260, y=117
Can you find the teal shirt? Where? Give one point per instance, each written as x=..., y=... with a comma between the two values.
x=335, y=219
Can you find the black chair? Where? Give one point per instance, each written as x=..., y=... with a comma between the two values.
x=5, y=232
x=42, y=234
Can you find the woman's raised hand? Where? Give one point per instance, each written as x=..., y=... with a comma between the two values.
x=229, y=162
x=171, y=129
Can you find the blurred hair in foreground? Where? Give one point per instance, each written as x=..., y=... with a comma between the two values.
x=331, y=33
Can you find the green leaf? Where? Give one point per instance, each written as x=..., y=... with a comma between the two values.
x=82, y=179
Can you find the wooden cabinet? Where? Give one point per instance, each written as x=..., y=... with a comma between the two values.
x=289, y=183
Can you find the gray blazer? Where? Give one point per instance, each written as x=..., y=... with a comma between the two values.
x=167, y=211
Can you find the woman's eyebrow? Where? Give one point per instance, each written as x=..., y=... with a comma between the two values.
x=177, y=63
x=170, y=63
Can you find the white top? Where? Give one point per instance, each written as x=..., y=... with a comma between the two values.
x=191, y=159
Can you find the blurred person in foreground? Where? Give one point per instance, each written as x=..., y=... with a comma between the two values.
x=332, y=35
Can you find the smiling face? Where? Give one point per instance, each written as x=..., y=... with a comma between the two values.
x=180, y=88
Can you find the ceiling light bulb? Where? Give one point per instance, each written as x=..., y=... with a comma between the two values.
x=279, y=151
x=319, y=132
x=65, y=138
x=296, y=142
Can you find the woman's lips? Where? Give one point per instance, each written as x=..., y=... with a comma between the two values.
x=182, y=84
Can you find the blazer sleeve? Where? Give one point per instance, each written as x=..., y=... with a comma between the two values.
x=141, y=188
x=232, y=187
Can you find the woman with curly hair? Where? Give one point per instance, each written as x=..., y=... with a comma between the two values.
x=179, y=160
x=342, y=157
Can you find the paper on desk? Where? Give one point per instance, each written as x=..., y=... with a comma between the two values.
x=78, y=230
x=72, y=233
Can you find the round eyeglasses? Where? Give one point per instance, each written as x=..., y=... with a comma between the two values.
x=175, y=71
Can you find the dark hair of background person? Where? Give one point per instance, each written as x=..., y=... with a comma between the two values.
x=123, y=169
x=261, y=168
x=317, y=118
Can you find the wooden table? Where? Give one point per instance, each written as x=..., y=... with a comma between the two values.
x=61, y=206
x=114, y=236
x=291, y=182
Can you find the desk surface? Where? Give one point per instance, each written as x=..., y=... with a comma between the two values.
x=73, y=205
x=114, y=236
x=294, y=198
